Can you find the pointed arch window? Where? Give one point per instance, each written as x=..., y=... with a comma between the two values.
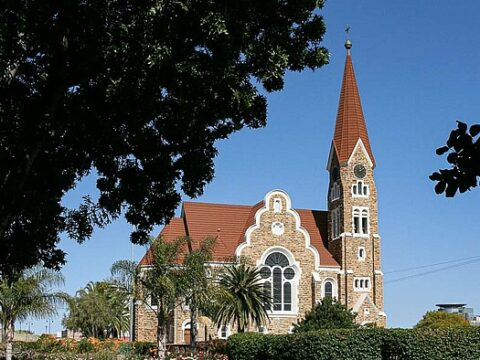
x=279, y=276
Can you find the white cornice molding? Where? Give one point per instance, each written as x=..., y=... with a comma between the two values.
x=334, y=269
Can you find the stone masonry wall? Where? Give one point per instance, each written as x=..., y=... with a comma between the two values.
x=345, y=248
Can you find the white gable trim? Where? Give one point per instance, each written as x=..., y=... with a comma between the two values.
x=289, y=210
x=360, y=145
x=330, y=156
x=364, y=297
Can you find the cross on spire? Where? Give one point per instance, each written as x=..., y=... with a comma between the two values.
x=348, y=43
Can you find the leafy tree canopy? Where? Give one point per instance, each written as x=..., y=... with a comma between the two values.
x=441, y=319
x=327, y=314
x=463, y=147
x=99, y=310
x=134, y=93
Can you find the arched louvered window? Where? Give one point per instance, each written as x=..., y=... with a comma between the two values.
x=278, y=276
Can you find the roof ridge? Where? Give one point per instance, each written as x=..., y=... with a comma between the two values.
x=213, y=203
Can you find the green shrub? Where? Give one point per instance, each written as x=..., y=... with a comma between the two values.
x=143, y=348
x=217, y=346
x=84, y=346
x=371, y=344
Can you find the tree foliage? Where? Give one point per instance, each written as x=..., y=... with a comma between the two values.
x=327, y=314
x=134, y=93
x=463, y=147
x=441, y=319
x=100, y=310
x=355, y=344
x=160, y=285
x=30, y=293
x=197, y=278
x=243, y=298
x=178, y=274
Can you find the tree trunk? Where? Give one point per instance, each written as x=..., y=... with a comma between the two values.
x=193, y=328
x=131, y=319
x=161, y=335
x=9, y=334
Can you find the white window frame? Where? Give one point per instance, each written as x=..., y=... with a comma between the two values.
x=149, y=303
x=294, y=283
x=262, y=329
x=363, y=213
x=362, y=283
x=360, y=189
x=227, y=331
x=277, y=205
x=335, y=191
x=187, y=325
x=360, y=257
x=334, y=288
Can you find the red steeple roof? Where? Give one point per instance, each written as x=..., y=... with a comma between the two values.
x=350, y=124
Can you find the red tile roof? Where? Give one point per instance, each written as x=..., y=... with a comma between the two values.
x=350, y=125
x=228, y=224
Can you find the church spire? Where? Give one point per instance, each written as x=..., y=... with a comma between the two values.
x=350, y=125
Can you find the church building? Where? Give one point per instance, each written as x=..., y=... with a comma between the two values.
x=305, y=255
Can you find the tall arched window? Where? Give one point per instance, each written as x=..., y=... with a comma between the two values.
x=328, y=289
x=360, y=221
x=278, y=275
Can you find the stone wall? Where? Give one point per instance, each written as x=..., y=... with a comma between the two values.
x=278, y=228
x=345, y=248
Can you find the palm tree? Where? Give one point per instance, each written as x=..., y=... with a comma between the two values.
x=160, y=286
x=243, y=296
x=124, y=273
x=29, y=294
x=196, y=282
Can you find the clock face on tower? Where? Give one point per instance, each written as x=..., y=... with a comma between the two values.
x=359, y=171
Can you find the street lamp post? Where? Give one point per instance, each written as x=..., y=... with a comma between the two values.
x=49, y=323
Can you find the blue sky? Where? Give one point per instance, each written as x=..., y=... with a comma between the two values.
x=417, y=66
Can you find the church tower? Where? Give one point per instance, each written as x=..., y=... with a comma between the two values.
x=353, y=237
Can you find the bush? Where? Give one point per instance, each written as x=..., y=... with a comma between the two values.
x=217, y=346
x=372, y=344
x=84, y=346
x=143, y=348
